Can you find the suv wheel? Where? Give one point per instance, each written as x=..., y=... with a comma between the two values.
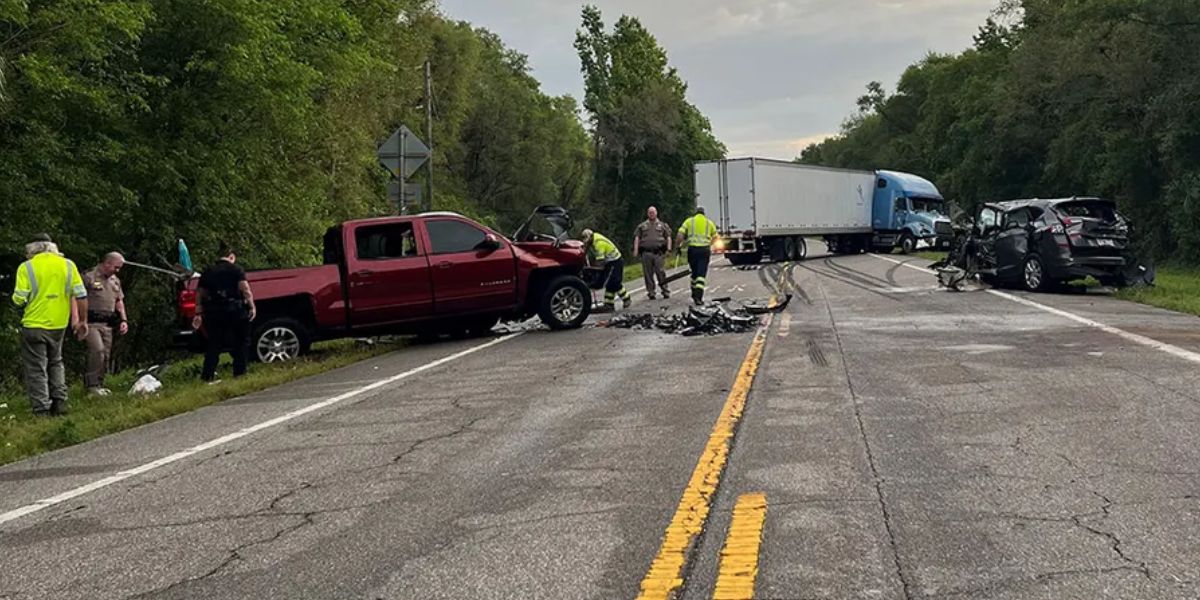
x=279, y=340
x=908, y=243
x=565, y=303
x=1033, y=274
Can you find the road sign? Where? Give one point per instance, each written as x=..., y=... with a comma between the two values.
x=412, y=194
x=403, y=153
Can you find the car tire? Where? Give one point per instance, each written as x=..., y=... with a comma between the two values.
x=1033, y=274
x=908, y=243
x=565, y=304
x=280, y=339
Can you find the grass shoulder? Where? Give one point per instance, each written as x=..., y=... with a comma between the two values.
x=1175, y=288
x=92, y=417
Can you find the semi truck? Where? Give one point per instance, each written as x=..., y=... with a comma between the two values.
x=764, y=207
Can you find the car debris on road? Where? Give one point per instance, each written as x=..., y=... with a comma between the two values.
x=713, y=318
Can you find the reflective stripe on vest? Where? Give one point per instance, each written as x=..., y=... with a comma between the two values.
x=33, y=283
x=33, y=288
x=695, y=239
x=70, y=275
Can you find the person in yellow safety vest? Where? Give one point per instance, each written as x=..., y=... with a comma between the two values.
x=53, y=296
x=700, y=232
x=604, y=252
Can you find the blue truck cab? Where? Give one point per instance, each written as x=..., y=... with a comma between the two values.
x=906, y=210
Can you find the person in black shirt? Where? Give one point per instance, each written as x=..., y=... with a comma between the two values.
x=224, y=308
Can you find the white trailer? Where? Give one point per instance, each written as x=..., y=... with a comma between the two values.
x=766, y=207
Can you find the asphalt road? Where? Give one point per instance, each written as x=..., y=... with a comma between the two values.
x=908, y=442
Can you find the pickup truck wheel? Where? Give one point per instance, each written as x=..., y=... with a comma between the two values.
x=908, y=243
x=279, y=340
x=566, y=303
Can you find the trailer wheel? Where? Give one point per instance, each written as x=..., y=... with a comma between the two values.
x=777, y=249
x=799, y=249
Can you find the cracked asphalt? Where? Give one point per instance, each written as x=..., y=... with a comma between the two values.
x=911, y=443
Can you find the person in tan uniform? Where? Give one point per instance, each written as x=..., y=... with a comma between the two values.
x=652, y=242
x=106, y=315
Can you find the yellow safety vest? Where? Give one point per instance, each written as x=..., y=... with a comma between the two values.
x=700, y=231
x=603, y=249
x=45, y=285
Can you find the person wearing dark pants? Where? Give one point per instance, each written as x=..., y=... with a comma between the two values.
x=224, y=309
x=603, y=251
x=700, y=233
x=232, y=332
x=698, y=259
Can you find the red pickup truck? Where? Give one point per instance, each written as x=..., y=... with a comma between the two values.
x=426, y=274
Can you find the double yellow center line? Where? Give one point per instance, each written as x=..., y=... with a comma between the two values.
x=665, y=576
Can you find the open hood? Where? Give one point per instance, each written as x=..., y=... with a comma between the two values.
x=548, y=223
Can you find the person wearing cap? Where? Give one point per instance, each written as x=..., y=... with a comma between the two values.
x=652, y=242
x=604, y=252
x=52, y=295
x=700, y=232
x=224, y=308
x=105, y=315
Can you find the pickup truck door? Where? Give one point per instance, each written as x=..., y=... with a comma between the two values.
x=469, y=274
x=387, y=275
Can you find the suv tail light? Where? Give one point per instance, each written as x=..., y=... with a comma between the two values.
x=187, y=303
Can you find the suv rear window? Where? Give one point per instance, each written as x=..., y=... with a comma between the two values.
x=1103, y=211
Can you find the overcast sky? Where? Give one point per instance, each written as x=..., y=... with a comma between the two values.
x=771, y=74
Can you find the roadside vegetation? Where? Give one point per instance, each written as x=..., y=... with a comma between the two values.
x=129, y=124
x=24, y=435
x=1053, y=99
x=1175, y=288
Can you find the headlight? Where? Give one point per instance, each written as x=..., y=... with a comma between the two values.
x=719, y=244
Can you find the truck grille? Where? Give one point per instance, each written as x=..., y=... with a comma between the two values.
x=943, y=228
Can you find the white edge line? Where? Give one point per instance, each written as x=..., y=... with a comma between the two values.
x=1173, y=350
x=241, y=433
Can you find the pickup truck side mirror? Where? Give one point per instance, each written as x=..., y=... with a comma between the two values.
x=490, y=242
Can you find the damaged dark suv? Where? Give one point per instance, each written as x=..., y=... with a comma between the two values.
x=1040, y=244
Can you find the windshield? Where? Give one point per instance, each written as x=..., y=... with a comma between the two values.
x=547, y=223
x=928, y=205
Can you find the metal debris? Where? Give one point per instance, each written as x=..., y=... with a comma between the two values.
x=713, y=318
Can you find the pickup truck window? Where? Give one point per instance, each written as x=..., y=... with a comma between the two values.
x=384, y=242
x=450, y=237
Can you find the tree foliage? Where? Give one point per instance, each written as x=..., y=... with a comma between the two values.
x=1093, y=97
x=646, y=135
x=126, y=124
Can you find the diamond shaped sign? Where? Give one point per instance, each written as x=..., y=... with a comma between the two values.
x=403, y=151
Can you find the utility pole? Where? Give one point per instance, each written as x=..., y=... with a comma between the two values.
x=403, y=170
x=429, y=132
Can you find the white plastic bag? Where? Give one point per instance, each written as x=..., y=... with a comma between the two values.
x=146, y=384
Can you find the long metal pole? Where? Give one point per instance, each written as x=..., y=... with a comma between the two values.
x=429, y=132
x=403, y=170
